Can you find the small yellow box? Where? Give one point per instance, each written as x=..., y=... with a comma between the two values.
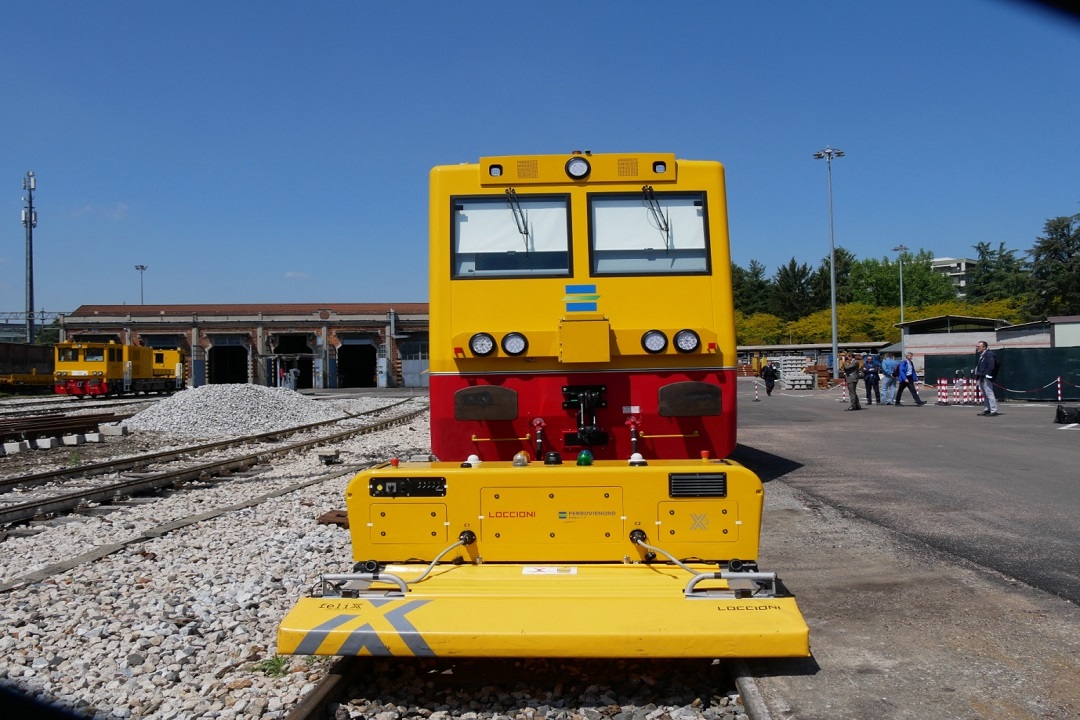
x=584, y=341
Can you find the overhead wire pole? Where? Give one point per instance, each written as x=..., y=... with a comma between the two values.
x=901, y=249
x=828, y=154
x=29, y=221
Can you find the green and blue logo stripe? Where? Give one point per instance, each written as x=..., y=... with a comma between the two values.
x=581, y=298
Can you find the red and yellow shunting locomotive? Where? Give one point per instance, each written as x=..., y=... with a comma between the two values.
x=95, y=369
x=582, y=360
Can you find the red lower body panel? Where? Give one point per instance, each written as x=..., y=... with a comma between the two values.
x=81, y=387
x=675, y=415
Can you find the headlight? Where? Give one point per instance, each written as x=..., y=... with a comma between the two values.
x=514, y=343
x=687, y=341
x=578, y=168
x=482, y=344
x=654, y=341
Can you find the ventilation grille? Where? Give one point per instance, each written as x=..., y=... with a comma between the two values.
x=528, y=169
x=628, y=167
x=697, y=484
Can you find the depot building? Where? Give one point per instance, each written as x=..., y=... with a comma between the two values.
x=321, y=345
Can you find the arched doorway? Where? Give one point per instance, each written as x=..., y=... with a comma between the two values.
x=357, y=363
x=294, y=352
x=226, y=362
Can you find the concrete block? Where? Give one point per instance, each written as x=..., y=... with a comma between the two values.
x=13, y=447
x=46, y=443
x=328, y=457
x=113, y=429
x=94, y=437
x=73, y=440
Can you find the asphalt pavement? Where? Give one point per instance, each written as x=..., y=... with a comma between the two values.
x=935, y=554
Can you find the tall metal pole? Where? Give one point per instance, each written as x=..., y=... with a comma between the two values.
x=29, y=221
x=901, y=249
x=828, y=154
x=141, y=269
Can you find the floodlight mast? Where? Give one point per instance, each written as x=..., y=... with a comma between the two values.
x=141, y=269
x=901, y=249
x=828, y=154
x=29, y=221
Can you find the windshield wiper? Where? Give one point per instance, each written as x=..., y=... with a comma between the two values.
x=660, y=221
x=521, y=218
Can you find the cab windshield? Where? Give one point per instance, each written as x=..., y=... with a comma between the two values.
x=511, y=235
x=648, y=233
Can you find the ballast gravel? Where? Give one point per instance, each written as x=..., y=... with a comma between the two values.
x=181, y=623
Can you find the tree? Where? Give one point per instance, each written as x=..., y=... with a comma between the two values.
x=996, y=275
x=1055, y=270
x=819, y=283
x=49, y=335
x=875, y=282
x=791, y=294
x=751, y=288
x=923, y=285
x=759, y=329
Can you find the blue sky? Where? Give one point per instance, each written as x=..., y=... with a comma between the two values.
x=279, y=151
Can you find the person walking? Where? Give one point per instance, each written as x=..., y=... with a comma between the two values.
x=890, y=372
x=770, y=374
x=851, y=375
x=985, y=370
x=871, y=378
x=908, y=378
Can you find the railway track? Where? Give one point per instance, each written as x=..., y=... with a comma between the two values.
x=140, y=479
x=39, y=426
x=538, y=687
x=130, y=566
x=63, y=405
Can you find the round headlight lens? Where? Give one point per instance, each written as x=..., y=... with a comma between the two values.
x=687, y=341
x=654, y=341
x=514, y=343
x=578, y=167
x=482, y=344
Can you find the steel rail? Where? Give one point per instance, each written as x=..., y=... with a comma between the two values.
x=33, y=427
x=70, y=501
x=14, y=410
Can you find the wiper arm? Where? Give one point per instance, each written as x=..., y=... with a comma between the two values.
x=660, y=221
x=521, y=218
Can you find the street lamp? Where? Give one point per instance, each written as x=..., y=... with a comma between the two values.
x=901, y=249
x=141, y=269
x=828, y=154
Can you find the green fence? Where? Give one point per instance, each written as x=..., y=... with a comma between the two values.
x=1025, y=374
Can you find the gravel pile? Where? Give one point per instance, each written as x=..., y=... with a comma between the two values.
x=229, y=410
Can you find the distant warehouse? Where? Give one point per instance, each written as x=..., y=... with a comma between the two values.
x=321, y=345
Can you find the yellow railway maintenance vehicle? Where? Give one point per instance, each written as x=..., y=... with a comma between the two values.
x=31, y=382
x=94, y=369
x=582, y=360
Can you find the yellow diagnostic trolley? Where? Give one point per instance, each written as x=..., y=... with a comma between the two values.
x=582, y=409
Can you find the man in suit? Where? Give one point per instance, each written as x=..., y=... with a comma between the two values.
x=851, y=375
x=985, y=370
